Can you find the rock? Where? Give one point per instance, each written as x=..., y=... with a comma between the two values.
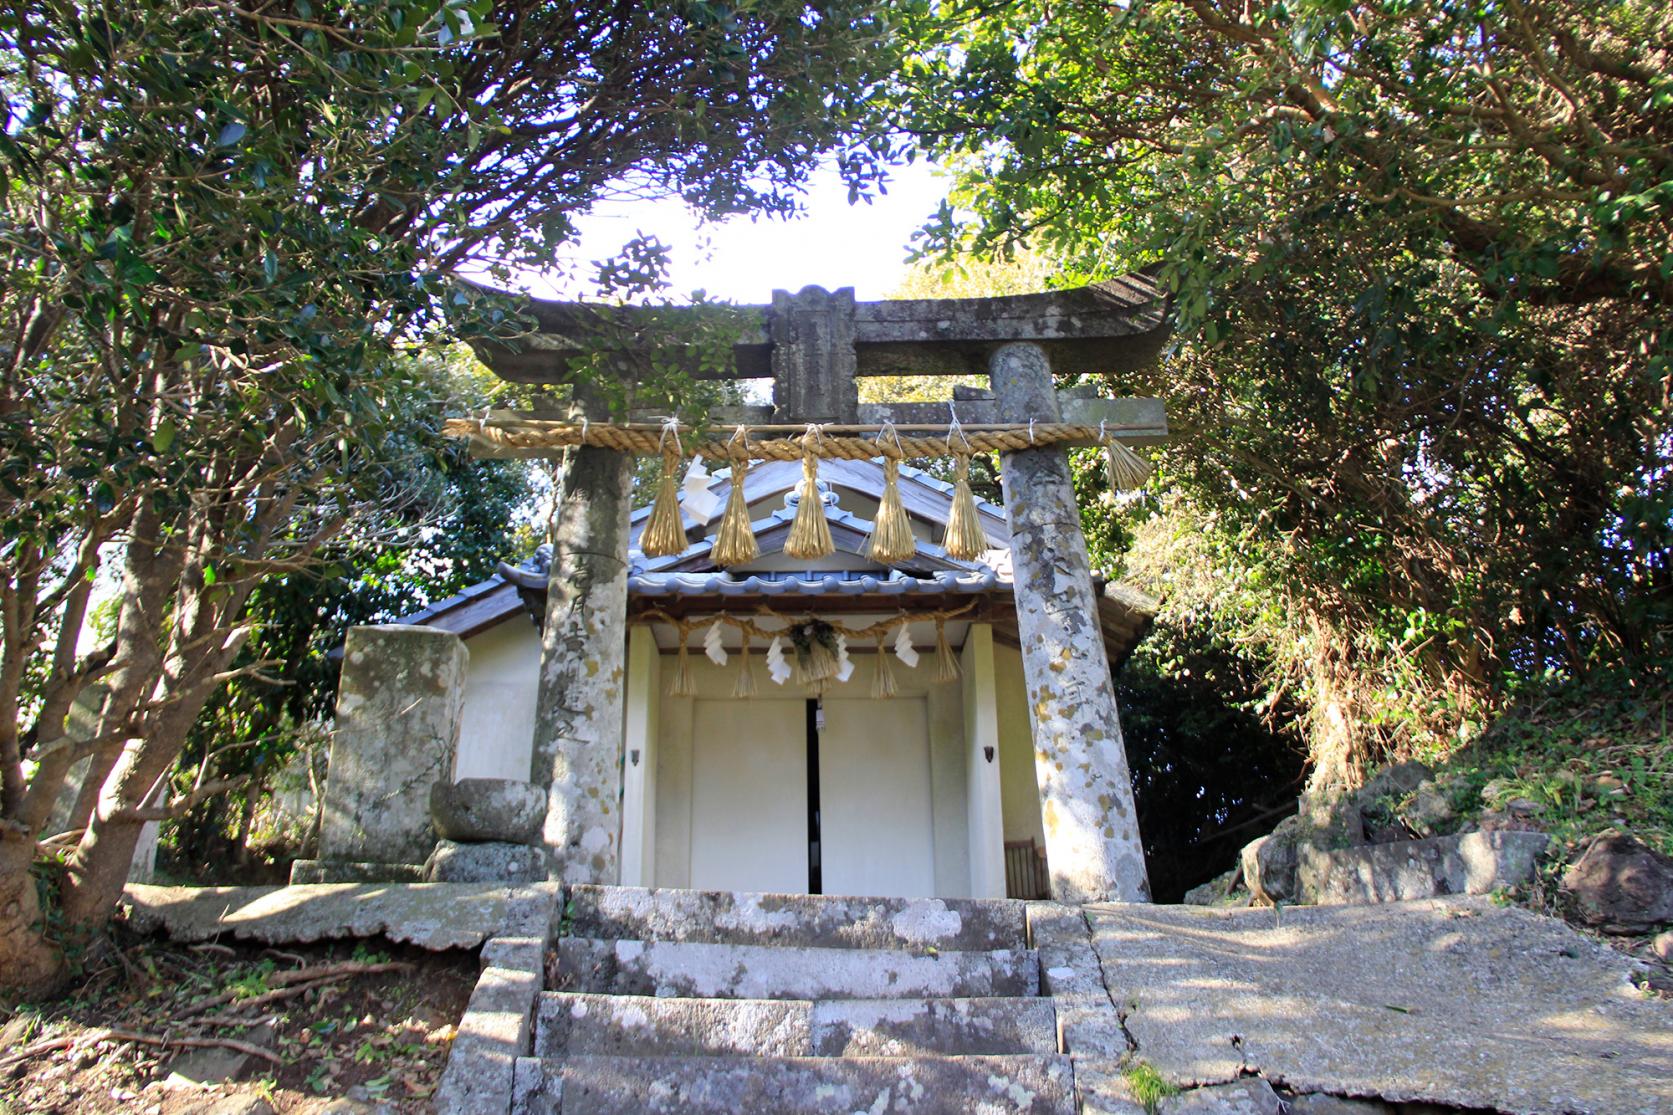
x=1331, y=818
x=1217, y=890
x=474, y=810
x=1393, y=781
x=1429, y=810
x=16, y=1031
x=1468, y=863
x=205, y=1066
x=1662, y=947
x=1253, y=1096
x=1269, y=864
x=350, y=1106
x=242, y=1104
x=496, y=862
x=1620, y=885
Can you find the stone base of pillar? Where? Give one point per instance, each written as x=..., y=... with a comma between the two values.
x=344, y=871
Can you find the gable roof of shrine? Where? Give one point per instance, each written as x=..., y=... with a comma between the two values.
x=692, y=582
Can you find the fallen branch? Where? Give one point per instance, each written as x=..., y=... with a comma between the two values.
x=266, y=998
x=94, y=1037
x=324, y=973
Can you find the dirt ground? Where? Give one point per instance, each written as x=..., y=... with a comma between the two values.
x=370, y=1021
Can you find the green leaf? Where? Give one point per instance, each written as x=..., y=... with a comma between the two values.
x=164, y=437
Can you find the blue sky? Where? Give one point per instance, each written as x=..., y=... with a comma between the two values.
x=833, y=244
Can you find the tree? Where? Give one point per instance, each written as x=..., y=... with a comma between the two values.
x=1419, y=256
x=219, y=225
x=451, y=523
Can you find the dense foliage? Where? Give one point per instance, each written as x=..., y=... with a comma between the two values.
x=219, y=226
x=1420, y=256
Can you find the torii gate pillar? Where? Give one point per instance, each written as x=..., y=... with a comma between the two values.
x=1080, y=762
x=578, y=714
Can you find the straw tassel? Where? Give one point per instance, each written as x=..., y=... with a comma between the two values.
x=1127, y=470
x=946, y=666
x=883, y=678
x=683, y=683
x=735, y=540
x=817, y=665
x=664, y=535
x=810, y=534
x=745, y=689
x=891, y=534
x=964, y=539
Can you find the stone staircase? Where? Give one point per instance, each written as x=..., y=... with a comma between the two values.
x=693, y=1002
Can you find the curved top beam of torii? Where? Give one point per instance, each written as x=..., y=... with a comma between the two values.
x=815, y=343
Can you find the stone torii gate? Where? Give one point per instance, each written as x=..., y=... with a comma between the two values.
x=814, y=345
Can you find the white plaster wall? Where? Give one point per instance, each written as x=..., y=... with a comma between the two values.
x=1019, y=793
x=501, y=680
x=938, y=830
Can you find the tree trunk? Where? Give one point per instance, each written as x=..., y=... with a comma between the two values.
x=30, y=964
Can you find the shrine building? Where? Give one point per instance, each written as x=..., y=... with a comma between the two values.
x=809, y=664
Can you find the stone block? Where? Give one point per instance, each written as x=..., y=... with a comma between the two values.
x=500, y=1011
x=340, y=871
x=526, y=954
x=807, y=920
x=398, y=713
x=533, y=1090
x=1470, y=863
x=474, y=810
x=1030, y=1085
x=914, y=1027
x=689, y=970
x=497, y=862
x=476, y=1081
x=1103, y=1089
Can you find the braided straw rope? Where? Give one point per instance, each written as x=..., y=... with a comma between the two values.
x=852, y=443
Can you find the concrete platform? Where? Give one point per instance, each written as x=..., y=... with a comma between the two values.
x=429, y=915
x=1450, y=1001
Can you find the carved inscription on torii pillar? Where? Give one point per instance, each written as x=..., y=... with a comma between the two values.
x=814, y=345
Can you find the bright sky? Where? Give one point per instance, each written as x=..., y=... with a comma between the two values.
x=832, y=245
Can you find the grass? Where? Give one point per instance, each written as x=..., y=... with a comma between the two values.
x=1576, y=761
x=1148, y=1087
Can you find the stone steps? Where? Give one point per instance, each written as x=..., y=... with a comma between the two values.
x=700, y=970
x=577, y=1023
x=662, y=1001
x=964, y=1085
x=794, y=920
